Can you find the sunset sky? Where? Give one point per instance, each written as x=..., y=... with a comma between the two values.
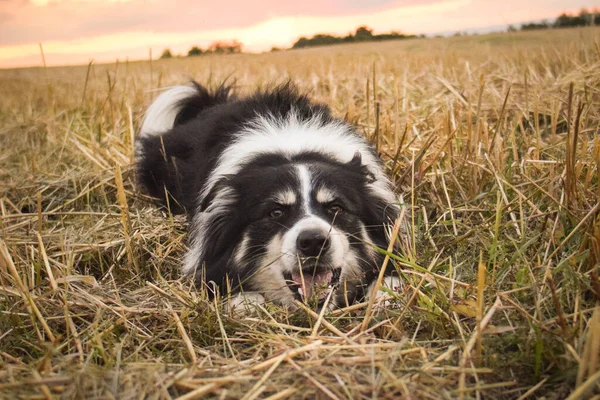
x=76, y=31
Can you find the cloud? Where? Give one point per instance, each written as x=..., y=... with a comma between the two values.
x=43, y=3
x=4, y=17
x=47, y=20
x=276, y=31
x=112, y=35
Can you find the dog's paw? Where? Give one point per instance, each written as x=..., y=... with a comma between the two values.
x=242, y=304
x=390, y=286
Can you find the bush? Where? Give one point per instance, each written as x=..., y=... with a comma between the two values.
x=226, y=47
x=166, y=54
x=195, y=51
x=536, y=25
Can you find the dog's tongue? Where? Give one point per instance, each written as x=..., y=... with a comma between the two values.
x=320, y=282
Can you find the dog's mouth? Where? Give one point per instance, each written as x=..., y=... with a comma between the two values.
x=310, y=283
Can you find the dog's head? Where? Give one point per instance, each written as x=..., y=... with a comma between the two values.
x=293, y=229
x=293, y=224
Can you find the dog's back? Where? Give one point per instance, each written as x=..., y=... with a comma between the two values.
x=165, y=149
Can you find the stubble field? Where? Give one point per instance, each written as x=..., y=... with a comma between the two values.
x=493, y=142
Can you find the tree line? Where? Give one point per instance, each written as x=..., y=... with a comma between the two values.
x=565, y=20
x=362, y=34
x=365, y=34
x=231, y=47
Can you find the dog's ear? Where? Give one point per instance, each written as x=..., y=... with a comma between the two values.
x=356, y=161
x=382, y=208
x=219, y=213
x=221, y=185
x=357, y=165
x=215, y=229
x=382, y=212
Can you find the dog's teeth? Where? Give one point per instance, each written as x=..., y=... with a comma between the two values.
x=300, y=291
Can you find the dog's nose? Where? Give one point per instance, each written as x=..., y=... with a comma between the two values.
x=311, y=243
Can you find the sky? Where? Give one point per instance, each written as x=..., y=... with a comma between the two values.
x=77, y=31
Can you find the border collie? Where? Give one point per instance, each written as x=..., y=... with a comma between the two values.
x=285, y=201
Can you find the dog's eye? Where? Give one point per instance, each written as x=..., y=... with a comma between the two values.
x=335, y=209
x=276, y=213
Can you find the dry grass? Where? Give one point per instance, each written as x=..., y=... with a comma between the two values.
x=494, y=141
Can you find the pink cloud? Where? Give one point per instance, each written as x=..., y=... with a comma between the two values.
x=75, y=31
x=24, y=22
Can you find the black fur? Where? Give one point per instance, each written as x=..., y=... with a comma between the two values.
x=179, y=162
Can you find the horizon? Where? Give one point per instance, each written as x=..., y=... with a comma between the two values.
x=112, y=30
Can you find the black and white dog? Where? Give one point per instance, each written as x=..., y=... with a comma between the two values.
x=284, y=201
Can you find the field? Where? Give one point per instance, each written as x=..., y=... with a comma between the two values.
x=494, y=142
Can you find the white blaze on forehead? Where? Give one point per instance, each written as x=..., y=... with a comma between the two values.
x=325, y=195
x=292, y=136
x=286, y=197
x=305, y=187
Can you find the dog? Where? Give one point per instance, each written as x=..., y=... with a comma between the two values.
x=285, y=202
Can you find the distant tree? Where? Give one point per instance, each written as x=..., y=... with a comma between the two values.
x=225, y=47
x=317, y=40
x=585, y=16
x=363, y=34
x=301, y=42
x=322, y=40
x=195, y=51
x=393, y=36
x=568, y=21
x=595, y=17
x=589, y=18
x=275, y=49
x=544, y=24
x=349, y=38
x=166, y=54
x=511, y=28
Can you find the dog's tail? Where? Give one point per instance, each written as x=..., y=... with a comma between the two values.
x=179, y=104
x=161, y=151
